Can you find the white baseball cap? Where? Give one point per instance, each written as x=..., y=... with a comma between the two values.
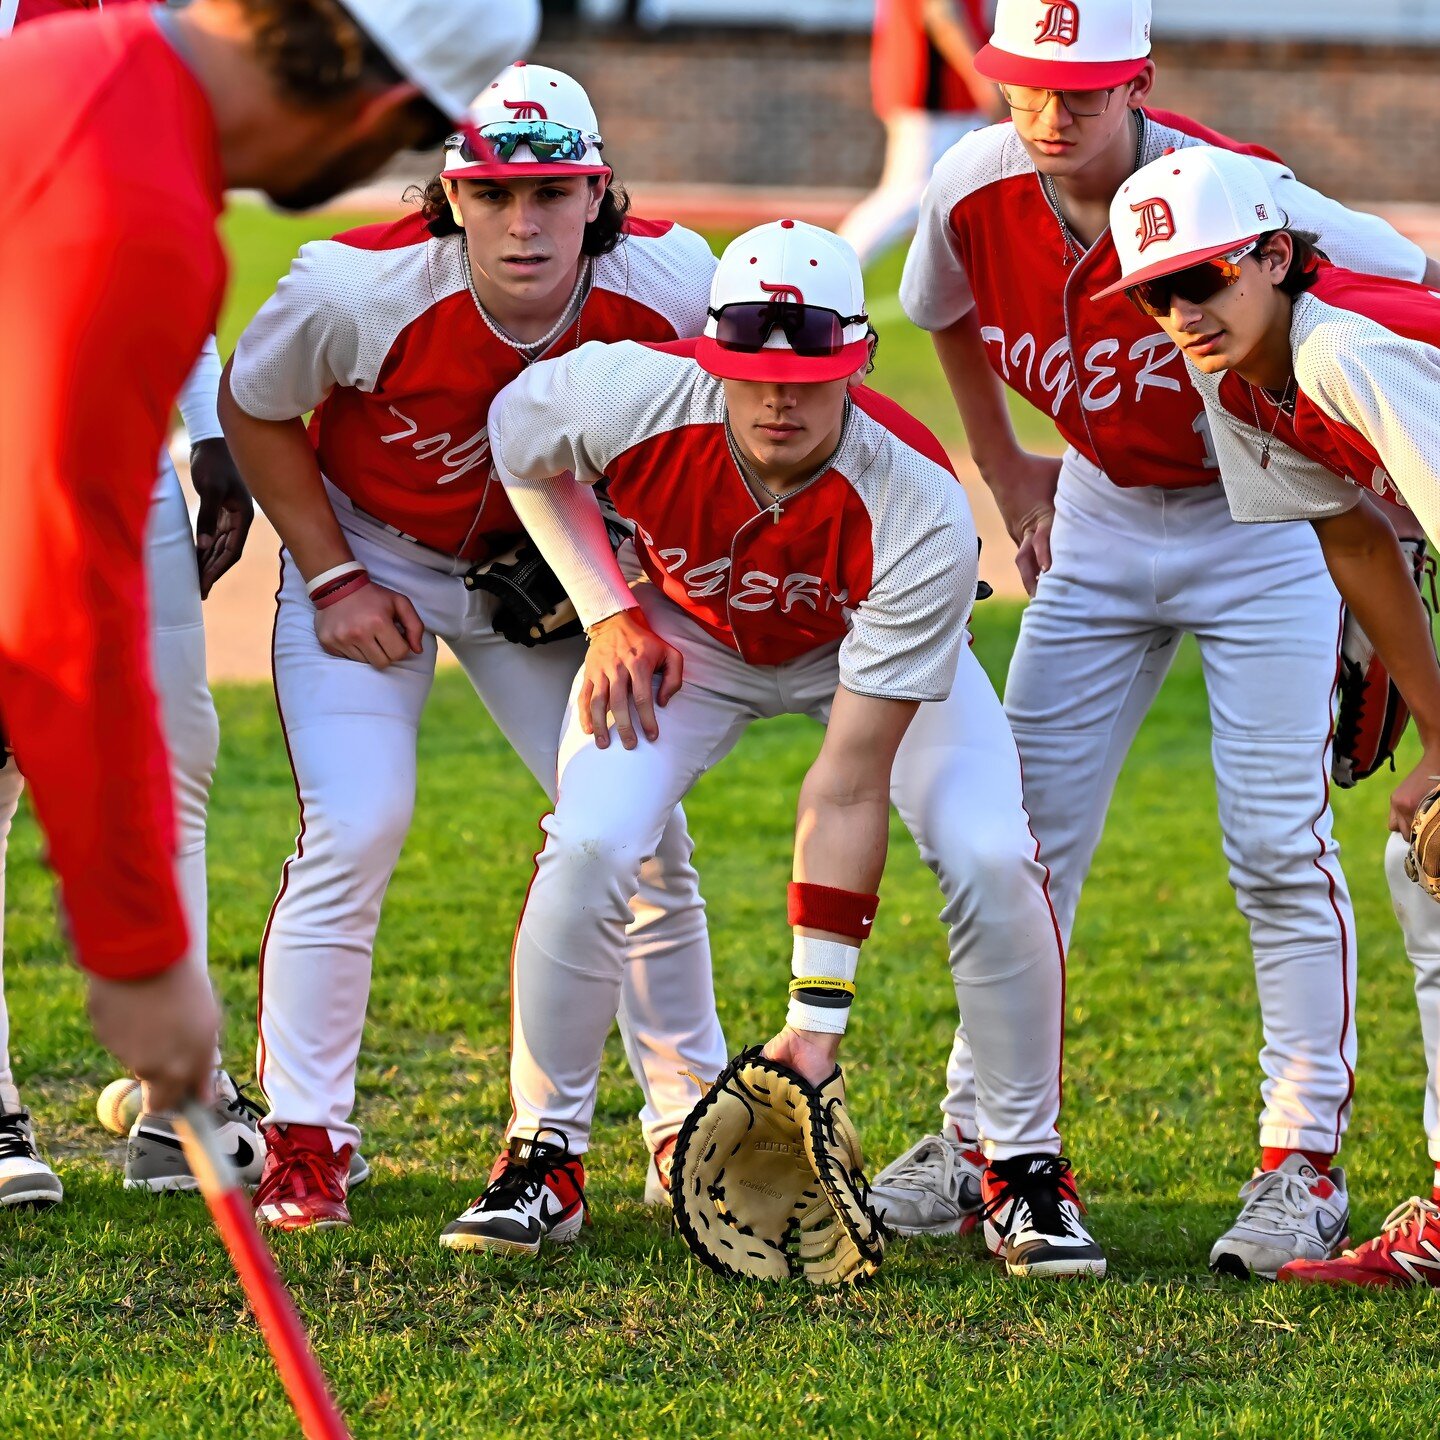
x=449, y=48
x=1187, y=207
x=1067, y=44
x=509, y=107
x=786, y=280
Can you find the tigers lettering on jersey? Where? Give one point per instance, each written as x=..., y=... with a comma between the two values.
x=1115, y=386
x=873, y=553
x=378, y=333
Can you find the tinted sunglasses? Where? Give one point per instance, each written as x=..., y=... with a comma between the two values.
x=1195, y=284
x=547, y=140
x=811, y=330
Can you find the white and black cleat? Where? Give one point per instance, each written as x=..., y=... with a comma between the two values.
x=155, y=1158
x=1032, y=1219
x=536, y=1193
x=1290, y=1213
x=26, y=1181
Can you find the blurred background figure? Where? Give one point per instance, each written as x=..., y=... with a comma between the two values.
x=928, y=95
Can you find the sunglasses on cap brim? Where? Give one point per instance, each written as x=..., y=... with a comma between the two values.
x=812, y=330
x=545, y=139
x=1195, y=284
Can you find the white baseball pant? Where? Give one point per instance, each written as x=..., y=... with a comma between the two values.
x=914, y=142
x=192, y=731
x=956, y=785
x=351, y=731
x=1134, y=570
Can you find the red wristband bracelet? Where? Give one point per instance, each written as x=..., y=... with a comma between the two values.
x=842, y=912
x=323, y=599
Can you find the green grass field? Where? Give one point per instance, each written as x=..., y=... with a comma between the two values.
x=119, y=1315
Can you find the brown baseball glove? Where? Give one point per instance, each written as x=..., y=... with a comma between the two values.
x=1422, y=860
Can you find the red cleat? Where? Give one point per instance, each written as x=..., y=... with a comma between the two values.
x=305, y=1180
x=1405, y=1252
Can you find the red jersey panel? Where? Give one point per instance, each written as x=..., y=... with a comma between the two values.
x=876, y=552
x=907, y=72
x=109, y=284
x=377, y=331
x=1112, y=381
x=27, y=10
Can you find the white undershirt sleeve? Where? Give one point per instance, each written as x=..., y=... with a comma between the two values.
x=562, y=516
x=196, y=402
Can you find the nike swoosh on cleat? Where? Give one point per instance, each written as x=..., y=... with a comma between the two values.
x=1332, y=1231
x=244, y=1155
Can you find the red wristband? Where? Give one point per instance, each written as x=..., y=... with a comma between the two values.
x=842, y=912
x=330, y=594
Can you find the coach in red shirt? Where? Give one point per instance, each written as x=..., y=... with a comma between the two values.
x=121, y=133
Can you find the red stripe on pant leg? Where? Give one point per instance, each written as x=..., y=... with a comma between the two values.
x=514, y=942
x=1330, y=883
x=299, y=845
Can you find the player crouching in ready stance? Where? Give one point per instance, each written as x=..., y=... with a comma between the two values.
x=810, y=551
x=1320, y=383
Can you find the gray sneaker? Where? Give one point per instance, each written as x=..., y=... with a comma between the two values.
x=25, y=1179
x=155, y=1159
x=932, y=1189
x=1293, y=1213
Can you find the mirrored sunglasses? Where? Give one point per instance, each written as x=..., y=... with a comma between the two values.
x=546, y=140
x=812, y=330
x=1195, y=284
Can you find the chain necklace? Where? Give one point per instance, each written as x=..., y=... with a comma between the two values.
x=529, y=350
x=747, y=471
x=1283, y=405
x=1073, y=250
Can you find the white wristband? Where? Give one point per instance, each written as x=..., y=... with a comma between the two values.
x=828, y=958
x=800, y=1016
x=350, y=567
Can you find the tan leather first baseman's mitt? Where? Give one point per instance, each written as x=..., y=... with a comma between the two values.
x=767, y=1178
x=1422, y=860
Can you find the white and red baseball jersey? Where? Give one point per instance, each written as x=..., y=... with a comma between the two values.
x=877, y=552
x=378, y=333
x=1114, y=384
x=1367, y=406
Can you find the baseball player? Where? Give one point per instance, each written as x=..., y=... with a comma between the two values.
x=146, y=103
x=1132, y=545
x=180, y=569
x=927, y=95
x=398, y=337
x=1321, y=384
x=808, y=551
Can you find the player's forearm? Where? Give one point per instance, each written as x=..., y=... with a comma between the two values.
x=1373, y=576
x=979, y=396
x=278, y=464
x=950, y=33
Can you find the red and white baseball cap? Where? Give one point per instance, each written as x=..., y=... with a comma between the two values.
x=786, y=278
x=1187, y=207
x=519, y=98
x=1067, y=44
x=449, y=48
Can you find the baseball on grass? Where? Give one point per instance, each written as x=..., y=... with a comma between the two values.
x=119, y=1105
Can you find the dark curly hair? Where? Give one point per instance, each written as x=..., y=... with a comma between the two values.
x=317, y=54
x=1303, y=271
x=602, y=234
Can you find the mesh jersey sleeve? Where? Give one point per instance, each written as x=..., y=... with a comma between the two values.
x=934, y=288
x=197, y=396
x=905, y=636
x=313, y=333
x=669, y=272
x=1387, y=388
x=1291, y=487
x=1350, y=238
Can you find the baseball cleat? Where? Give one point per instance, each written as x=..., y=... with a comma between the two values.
x=932, y=1189
x=1292, y=1213
x=306, y=1180
x=536, y=1193
x=25, y=1179
x=1032, y=1220
x=155, y=1159
x=657, y=1173
x=1406, y=1252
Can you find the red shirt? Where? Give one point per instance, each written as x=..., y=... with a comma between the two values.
x=1112, y=381
x=111, y=277
x=378, y=333
x=907, y=72
x=39, y=9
